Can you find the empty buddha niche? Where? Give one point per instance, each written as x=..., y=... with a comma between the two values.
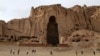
x=52, y=32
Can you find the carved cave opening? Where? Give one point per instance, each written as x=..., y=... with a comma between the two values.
x=52, y=32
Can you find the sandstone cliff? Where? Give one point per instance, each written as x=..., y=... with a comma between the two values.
x=68, y=20
x=83, y=39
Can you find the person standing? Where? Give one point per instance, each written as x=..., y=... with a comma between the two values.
x=18, y=51
x=11, y=51
x=76, y=53
x=82, y=52
x=27, y=53
x=51, y=52
x=94, y=53
x=32, y=50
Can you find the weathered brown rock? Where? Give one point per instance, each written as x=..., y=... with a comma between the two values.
x=2, y=23
x=83, y=39
x=67, y=19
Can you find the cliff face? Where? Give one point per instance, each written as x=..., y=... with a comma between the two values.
x=83, y=39
x=2, y=27
x=21, y=26
x=67, y=19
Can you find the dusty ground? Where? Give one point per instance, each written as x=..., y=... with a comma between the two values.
x=45, y=51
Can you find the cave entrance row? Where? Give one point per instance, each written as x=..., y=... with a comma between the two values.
x=52, y=32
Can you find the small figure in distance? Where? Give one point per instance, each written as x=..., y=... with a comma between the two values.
x=51, y=52
x=11, y=51
x=76, y=53
x=94, y=53
x=82, y=52
x=18, y=51
x=27, y=53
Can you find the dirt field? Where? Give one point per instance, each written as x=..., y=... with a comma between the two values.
x=45, y=51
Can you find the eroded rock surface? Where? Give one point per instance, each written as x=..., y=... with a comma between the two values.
x=84, y=39
x=68, y=20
